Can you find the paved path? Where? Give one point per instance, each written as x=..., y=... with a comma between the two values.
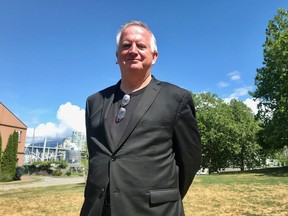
x=40, y=181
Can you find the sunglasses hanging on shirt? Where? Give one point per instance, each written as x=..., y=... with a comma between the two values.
x=122, y=111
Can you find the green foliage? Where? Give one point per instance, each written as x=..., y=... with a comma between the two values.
x=85, y=160
x=57, y=172
x=213, y=126
x=62, y=164
x=245, y=136
x=272, y=84
x=228, y=133
x=68, y=173
x=282, y=156
x=45, y=167
x=18, y=173
x=9, y=158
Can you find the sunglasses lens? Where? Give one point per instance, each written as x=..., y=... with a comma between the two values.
x=121, y=114
x=125, y=100
x=122, y=111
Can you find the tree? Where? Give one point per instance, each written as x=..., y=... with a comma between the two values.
x=228, y=133
x=9, y=158
x=272, y=84
x=216, y=131
x=246, y=129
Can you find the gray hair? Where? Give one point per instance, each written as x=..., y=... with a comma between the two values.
x=153, y=43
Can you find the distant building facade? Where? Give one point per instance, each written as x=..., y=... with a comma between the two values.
x=58, y=149
x=8, y=124
x=79, y=138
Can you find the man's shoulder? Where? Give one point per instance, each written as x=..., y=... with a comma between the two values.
x=173, y=92
x=104, y=93
x=170, y=87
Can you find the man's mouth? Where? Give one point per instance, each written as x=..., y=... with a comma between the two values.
x=132, y=60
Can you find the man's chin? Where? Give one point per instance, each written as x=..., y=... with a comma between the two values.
x=133, y=65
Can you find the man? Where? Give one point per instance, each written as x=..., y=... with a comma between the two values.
x=142, y=136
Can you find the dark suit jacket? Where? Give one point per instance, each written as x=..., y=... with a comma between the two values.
x=155, y=160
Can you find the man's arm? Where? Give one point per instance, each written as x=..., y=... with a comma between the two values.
x=187, y=143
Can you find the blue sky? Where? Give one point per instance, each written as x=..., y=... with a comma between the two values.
x=54, y=53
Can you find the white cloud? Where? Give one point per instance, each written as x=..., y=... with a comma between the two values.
x=252, y=104
x=222, y=84
x=72, y=115
x=70, y=118
x=241, y=91
x=235, y=75
x=238, y=93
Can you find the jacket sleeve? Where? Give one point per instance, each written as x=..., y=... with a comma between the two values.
x=90, y=146
x=186, y=143
x=87, y=123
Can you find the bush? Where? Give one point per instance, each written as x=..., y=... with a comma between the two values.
x=5, y=178
x=57, y=172
x=68, y=173
x=19, y=173
x=29, y=169
x=62, y=165
x=44, y=168
x=9, y=158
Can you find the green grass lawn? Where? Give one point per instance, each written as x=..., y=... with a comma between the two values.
x=260, y=192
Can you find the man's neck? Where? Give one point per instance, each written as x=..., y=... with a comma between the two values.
x=133, y=84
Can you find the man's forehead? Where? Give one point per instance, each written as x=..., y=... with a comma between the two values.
x=135, y=30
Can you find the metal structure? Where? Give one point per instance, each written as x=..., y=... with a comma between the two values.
x=66, y=149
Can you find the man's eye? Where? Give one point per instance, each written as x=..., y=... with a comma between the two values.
x=141, y=46
x=125, y=46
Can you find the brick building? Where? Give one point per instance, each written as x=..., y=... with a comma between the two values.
x=8, y=124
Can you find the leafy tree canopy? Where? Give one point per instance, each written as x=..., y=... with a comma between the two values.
x=272, y=84
x=228, y=133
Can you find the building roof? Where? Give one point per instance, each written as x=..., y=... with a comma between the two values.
x=9, y=119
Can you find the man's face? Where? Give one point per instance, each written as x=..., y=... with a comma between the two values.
x=134, y=50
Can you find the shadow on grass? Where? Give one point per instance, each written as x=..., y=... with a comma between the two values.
x=274, y=171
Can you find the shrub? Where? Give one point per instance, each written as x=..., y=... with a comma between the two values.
x=62, y=165
x=4, y=178
x=68, y=173
x=19, y=173
x=9, y=158
x=57, y=172
x=44, y=168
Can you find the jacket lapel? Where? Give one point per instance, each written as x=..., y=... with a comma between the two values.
x=106, y=106
x=147, y=100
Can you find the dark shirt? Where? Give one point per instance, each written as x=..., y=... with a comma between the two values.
x=117, y=128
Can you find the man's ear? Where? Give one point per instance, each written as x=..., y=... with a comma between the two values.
x=116, y=58
x=155, y=57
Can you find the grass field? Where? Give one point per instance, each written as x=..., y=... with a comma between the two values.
x=261, y=193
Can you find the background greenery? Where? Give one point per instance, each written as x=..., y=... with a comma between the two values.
x=8, y=159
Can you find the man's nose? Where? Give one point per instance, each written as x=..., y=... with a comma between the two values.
x=133, y=49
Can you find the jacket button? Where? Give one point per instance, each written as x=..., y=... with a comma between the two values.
x=113, y=158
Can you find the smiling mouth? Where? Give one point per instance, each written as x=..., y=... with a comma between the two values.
x=132, y=60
